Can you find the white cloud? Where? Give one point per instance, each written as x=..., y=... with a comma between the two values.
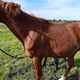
x=57, y=3
x=67, y=13
x=59, y=9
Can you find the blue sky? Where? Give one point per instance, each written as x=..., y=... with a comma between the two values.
x=51, y=9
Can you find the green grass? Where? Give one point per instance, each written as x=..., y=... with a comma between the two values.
x=13, y=69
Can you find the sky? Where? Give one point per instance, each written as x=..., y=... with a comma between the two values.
x=51, y=9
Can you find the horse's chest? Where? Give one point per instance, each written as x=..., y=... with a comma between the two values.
x=37, y=47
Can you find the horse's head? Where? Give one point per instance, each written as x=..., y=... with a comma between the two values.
x=10, y=8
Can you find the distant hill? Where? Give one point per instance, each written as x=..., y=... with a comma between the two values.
x=62, y=21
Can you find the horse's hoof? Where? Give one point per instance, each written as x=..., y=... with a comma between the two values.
x=62, y=78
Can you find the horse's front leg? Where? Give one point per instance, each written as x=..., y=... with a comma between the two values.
x=70, y=63
x=38, y=68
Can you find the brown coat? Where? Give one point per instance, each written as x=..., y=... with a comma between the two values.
x=40, y=38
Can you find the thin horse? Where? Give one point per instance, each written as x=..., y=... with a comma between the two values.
x=40, y=38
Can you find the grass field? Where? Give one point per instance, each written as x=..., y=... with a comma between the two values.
x=14, y=69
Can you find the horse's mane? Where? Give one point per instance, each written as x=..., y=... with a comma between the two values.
x=14, y=9
x=10, y=8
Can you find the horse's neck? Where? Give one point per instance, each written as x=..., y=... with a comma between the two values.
x=21, y=24
x=29, y=22
x=26, y=20
x=13, y=27
x=26, y=23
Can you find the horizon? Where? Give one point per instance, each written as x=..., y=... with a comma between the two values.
x=51, y=9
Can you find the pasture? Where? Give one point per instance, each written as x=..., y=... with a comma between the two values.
x=23, y=69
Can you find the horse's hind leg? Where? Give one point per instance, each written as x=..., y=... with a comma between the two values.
x=70, y=63
x=44, y=61
x=38, y=68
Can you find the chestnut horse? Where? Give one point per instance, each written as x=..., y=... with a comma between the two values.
x=40, y=38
